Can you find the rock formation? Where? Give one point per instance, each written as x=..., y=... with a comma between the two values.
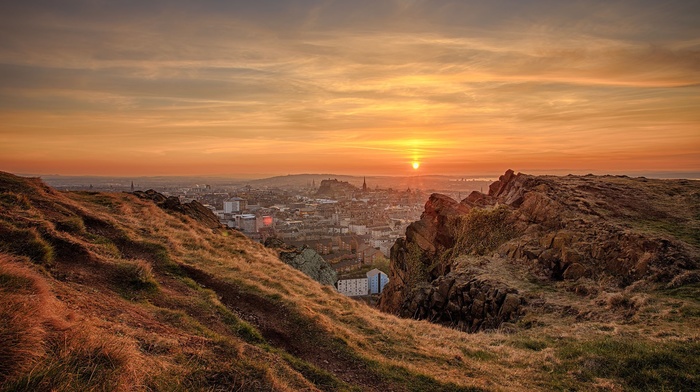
x=555, y=228
x=193, y=209
x=466, y=301
x=305, y=260
x=333, y=188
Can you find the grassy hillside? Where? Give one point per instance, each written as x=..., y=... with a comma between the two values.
x=109, y=292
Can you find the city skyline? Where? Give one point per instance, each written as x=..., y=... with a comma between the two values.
x=360, y=88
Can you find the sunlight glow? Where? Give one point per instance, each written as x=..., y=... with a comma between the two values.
x=416, y=165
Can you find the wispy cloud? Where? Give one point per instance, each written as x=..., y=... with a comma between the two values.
x=272, y=86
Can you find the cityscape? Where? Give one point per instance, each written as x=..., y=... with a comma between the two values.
x=351, y=223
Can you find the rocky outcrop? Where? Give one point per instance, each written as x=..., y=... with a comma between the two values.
x=193, y=209
x=305, y=260
x=604, y=228
x=333, y=188
x=412, y=258
x=465, y=301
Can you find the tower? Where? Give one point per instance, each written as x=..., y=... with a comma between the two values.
x=364, y=184
x=132, y=186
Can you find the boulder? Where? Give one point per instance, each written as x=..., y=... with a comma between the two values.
x=575, y=271
x=311, y=263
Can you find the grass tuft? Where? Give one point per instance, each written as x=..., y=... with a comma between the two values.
x=137, y=276
x=11, y=200
x=73, y=225
x=25, y=242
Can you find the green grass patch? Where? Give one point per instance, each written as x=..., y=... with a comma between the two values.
x=636, y=364
x=689, y=291
x=680, y=230
x=479, y=355
x=528, y=343
x=180, y=319
x=206, y=372
x=323, y=380
x=416, y=382
x=240, y=327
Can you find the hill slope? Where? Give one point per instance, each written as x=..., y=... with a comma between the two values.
x=109, y=291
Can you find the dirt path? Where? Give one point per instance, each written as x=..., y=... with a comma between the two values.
x=284, y=328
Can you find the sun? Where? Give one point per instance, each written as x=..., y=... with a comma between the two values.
x=416, y=165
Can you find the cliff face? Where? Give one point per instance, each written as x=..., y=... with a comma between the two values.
x=606, y=230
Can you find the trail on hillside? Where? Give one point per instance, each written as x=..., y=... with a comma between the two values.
x=284, y=328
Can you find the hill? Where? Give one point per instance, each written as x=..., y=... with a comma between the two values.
x=111, y=291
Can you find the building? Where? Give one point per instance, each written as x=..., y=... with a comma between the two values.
x=376, y=281
x=247, y=223
x=367, y=254
x=234, y=204
x=358, y=229
x=353, y=287
x=373, y=284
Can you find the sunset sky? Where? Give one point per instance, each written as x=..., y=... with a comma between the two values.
x=348, y=87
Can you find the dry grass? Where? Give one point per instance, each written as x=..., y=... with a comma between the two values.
x=23, y=310
x=190, y=340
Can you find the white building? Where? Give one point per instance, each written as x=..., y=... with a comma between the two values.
x=373, y=284
x=353, y=287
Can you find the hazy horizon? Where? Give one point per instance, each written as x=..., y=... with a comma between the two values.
x=269, y=88
x=693, y=175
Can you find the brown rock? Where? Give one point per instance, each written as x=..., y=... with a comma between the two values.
x=477, y=309
x=561, y=239
x=575, y=271
x=570, y=256
x=510, y=304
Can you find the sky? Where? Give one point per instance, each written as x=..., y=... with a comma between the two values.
x=363, y=87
